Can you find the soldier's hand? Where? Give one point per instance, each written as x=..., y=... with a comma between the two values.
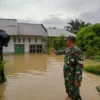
x=78, y=85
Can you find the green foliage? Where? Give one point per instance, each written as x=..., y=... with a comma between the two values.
x=97, y=58
x=59, y=42
x=93, y=69
x=75, y=25
x=91, y=52
x=51, y=41
x=96, y=29
x=88, y=39
x=2, y=63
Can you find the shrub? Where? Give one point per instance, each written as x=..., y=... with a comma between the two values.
x=97, y=58
x=88, y=39
x=59, y=43
x=91, y=52
x=93, y=69
x=2, y=63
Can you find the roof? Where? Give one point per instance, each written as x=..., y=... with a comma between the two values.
x=31, y=29
x=59, y=32
x=9, y=25
x=13, y=28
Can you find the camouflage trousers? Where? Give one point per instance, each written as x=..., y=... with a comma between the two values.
x=72, y=91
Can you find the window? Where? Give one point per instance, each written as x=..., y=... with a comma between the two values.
x=32, y=49
x=19, y=40
x=29, y=40
x=23, y=40
x=14, y=40
x=35, y=40
x=42, y=40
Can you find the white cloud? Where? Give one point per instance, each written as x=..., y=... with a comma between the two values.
x=93, y=16
x=49, y=11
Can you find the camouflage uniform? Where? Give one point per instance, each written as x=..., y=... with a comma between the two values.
x=73, y=65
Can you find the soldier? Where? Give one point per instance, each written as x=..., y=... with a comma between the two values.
x=73, y=65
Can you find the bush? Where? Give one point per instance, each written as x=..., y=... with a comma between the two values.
x=97, y=58
x=91, y=52
x=93, y=69
x=59, y=43
x=88, y=39
x=2, y=63
x=51, y=41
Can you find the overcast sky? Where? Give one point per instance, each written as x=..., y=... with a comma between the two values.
x=50, y=12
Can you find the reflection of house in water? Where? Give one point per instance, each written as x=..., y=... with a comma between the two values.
x=26, y=63
x=24, y=37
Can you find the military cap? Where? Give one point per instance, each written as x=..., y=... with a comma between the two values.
x=72, y=38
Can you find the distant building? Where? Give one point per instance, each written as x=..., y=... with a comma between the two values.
x=25, y=38
x=59, y=32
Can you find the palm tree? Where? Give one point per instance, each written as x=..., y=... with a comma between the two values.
x=74, y=26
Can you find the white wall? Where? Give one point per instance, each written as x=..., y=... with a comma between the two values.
x=10, y=48
x=32, y=42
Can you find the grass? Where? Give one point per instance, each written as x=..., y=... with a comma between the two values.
x=92, y=66
x=93, y=69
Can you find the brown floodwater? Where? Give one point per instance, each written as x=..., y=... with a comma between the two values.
x=40, y=77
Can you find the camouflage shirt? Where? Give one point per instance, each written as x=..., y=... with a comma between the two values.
x=73, y=64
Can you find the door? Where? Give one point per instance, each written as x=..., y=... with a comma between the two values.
x=35, y=48
x=32, y=48
x=19, y=49
x=39, y=48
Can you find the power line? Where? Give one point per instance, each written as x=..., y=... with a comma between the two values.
x=95, y=15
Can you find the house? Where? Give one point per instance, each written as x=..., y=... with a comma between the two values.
x=59, y=32
x=25, y=38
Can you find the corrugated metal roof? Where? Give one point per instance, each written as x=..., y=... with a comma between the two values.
x=13, y=28
x=31, y=29
x=59, y=32
x=9, y=25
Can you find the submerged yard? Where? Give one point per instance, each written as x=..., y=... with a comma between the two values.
x=40, y=77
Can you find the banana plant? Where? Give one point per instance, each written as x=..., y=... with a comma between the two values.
x=2, y=63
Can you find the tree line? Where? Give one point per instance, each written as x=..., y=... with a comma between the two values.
x=87, y=35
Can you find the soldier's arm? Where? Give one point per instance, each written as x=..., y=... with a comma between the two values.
x=79, y=66
x=60, y=52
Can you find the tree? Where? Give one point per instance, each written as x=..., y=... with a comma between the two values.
x=88, y=39
x=75, y=25
x=59, y=42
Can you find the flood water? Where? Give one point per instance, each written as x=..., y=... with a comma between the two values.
x=40, y=77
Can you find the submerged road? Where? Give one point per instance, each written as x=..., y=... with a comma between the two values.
x=40, y=77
